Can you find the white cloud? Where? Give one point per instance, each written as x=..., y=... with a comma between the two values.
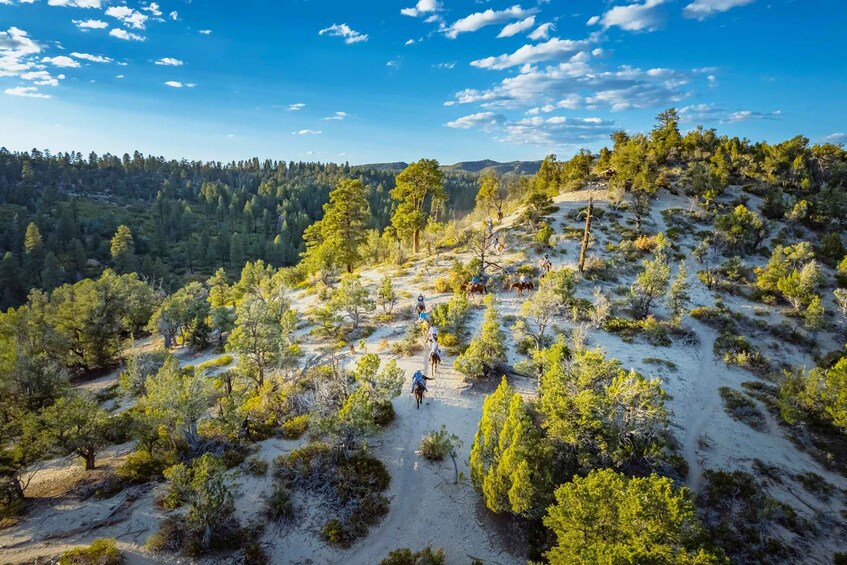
x=393, y=64
x=542, y=31
x=296, y=107
x=205, y=31
x=127, y=16
x=836, y=138
x=447, y=66
x=552, y=49
x=409, y=42
x=124, y=34
x=119, y=76
x=153, y=8
x=90, y=24
x=350, y=35
x=60, y=61
x=92, y=58
x=174, y=15
x=42, y=78
x=422, y=7
x=177, y=84
x=337, y=116
x=517, y=27
x=28, y=91
x=702, y=9
x=169, y=61
x=622, y=89
x=75, y=3
x=743, y=115
x=710, y=113
x=489, y=17
x=556, y=131
x=480, y=119
x=306, y=132
x=646, y=16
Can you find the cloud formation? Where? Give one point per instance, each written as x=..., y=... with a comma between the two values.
x=92, y=58
x=423, y=7
x=517, y=27
x=542, y=31
x=177, y=84
x=127, y=16
x=125, y=35
x=480, y=119
x=550, y=50
x=306, y=132
x=169, y=62
x=296, y=107
x=646, y=16
x=702, y=9
x=27, y=91
x=75, y=3
x=350, y=35
x=337, y=116
x=60, y=61
x=489, y=17
x=90, y=24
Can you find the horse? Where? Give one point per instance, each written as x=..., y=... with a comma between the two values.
x=434, y=360
x=419, y=394
x=475, y=288
x=520, y=287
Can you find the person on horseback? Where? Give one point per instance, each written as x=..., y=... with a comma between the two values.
x=524, y=279
x=435, y=350
x=475, y=279
x=421, y=305
x=433, y=334
x=490, y=225
x=419, y=379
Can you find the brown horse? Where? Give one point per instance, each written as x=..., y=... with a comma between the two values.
x=434, y=361
x=419, y=394
x=475, y=288
x=520, y=287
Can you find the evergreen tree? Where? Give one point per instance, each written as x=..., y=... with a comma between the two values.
x=420, y=182
x=607, y=518
x=53, y=274
x=337, y=237
x=123, y=250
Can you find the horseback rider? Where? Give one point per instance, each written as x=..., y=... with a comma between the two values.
x=421, y=305
x=475, y=279
x=490, y=225
x=435, y=350
x=419, y=379
x=524, y=278
x=433, y=334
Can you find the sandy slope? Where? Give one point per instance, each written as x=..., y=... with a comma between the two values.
x=426, y=507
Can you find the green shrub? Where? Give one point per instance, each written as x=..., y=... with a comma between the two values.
x=141, y=466
x=214, y=363
x=625, y=328
x=742, y=408
x=435, y=446
x=357, y=482
x=405, y=556
x=102, y=551
x=256, y=467
x=295, y=427
x=383, y=413
x=279, y=504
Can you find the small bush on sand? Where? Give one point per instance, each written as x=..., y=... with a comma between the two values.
x=405, y=556
x=742, y=408
x=295, y=427
x=352, y=486
x=102, y=551
x=279, y=504
x=256, y=466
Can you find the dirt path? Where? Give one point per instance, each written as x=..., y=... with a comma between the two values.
x=704, y=402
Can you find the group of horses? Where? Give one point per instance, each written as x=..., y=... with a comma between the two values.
x=472, y=289
x=434, y=358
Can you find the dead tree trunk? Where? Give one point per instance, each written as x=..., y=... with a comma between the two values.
x=584, y=248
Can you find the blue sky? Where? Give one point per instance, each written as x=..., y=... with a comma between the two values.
x=396, y=81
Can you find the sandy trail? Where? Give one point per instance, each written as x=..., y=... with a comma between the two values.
x=703, y=403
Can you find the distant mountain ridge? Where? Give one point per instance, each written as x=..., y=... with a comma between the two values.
x=474, y=167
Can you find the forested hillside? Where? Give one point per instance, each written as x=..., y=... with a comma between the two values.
x=640, y=358
x=60, y=213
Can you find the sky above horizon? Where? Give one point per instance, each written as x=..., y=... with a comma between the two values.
x=383, y=81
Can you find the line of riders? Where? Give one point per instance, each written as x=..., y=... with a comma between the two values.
x=431, y=330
